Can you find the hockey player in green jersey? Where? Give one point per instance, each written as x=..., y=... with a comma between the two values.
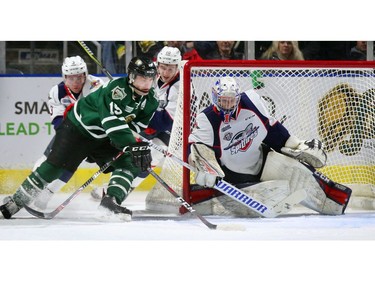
x=99, y=126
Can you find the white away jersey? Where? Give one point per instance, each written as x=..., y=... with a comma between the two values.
x=237, y=144
x=167, y=94
x=60, y=97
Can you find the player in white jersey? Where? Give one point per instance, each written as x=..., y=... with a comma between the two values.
x=167, y=89
x=238, y=134
x=77, y=83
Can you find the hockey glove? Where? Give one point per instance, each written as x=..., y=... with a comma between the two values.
x=202, y=178
x=310, y=152
x=208, y=169
x=141, y=154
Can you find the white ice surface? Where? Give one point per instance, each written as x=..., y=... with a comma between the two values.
x=78, y=239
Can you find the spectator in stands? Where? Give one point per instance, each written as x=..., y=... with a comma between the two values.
x=149, y=49
x=202, y=47
x=186, y=48
x=359, y=51
x=260, y=47
x=224, y=50
x=109, y=56
x=283, y=50
x=113, y=53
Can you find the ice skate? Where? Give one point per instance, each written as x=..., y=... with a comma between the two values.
x=9, y=209
x=111, y=208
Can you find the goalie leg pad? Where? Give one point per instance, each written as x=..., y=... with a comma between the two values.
x=278, y=167
x=334, y=191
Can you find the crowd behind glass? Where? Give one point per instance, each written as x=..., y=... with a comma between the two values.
x=113, y=53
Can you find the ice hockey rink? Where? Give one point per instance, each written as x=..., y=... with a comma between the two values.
x=80, y=237
x=81, y=220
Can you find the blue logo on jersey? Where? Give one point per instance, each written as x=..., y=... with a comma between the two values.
x=243, y=139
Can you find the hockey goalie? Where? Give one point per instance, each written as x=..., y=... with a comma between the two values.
x=237, y=139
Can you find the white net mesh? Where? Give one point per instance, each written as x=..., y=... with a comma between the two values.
x=334, y=104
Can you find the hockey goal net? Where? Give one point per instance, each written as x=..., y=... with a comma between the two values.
x=329, y=100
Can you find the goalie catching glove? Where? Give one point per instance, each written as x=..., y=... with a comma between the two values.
x=141, y=154
x=310, y=152
x=208, y=169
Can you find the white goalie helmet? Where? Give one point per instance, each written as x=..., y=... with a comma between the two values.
x=226, y=96
x=169, y=55
x=74, y=65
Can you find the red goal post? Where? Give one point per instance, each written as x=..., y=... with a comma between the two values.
x=329, y=100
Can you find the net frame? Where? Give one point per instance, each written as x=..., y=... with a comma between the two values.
x=186, y=89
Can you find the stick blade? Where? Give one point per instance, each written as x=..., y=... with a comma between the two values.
x=39, y=214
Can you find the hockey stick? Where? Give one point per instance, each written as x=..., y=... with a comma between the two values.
x=92, y=56
x=59, y=208
x=181, y=200
x=226, y=188
x=191, y=209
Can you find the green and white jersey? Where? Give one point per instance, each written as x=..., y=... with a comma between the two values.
x=111, y=112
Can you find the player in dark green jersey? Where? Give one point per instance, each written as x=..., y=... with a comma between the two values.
x=98, y=127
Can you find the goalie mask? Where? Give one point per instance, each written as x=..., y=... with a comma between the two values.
x=226, y=96
x=73, y=66
x=169, y=55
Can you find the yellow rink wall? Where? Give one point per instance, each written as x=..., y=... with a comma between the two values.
x=10, y=180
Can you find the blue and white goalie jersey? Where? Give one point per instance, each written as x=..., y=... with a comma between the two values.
x=238, y=143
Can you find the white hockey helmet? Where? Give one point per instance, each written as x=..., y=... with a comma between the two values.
x=74, y=65
x=226, y=96
x=169, y=55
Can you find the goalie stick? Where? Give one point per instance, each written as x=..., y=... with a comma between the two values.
x=236, y=194
x=59, y=208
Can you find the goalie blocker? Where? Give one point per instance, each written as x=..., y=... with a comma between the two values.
x=282, y=176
